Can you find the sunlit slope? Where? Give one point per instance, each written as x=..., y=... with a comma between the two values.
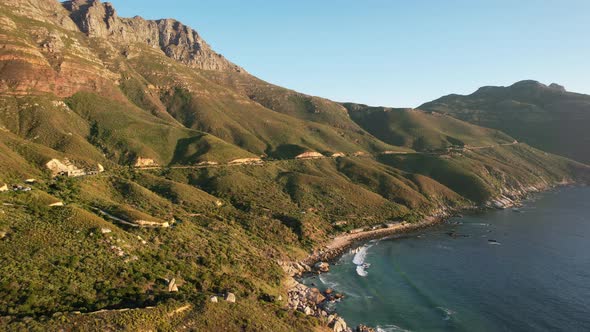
x=546, y=117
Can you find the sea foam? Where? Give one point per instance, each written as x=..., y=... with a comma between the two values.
x=359, y=260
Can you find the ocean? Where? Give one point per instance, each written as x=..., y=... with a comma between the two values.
x=525, y=269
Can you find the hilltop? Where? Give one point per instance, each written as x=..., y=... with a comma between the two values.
x=545, y=116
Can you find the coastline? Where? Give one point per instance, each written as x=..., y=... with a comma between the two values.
x=318, y=261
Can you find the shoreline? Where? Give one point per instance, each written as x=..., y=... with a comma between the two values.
x=317, y=262
x=341, y=244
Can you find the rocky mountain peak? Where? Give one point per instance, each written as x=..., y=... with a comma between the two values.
x=176, y=40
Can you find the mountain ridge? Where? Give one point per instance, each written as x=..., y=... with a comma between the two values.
x=546, y=116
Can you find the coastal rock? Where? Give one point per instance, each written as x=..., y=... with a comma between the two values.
x=315, y=296
x=322, y=267
x=364, y=328
x=339, y=325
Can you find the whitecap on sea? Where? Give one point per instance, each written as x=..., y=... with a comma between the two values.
x=391, y=328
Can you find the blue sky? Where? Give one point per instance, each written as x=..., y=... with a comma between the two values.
x=391, y=52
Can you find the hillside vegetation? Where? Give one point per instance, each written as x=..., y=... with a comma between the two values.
x=218, y=198
x=546, y=117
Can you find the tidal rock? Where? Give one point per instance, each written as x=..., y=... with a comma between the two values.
x=322, y=267
x=364, y=328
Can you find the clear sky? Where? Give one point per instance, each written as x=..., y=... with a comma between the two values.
x=391, y=52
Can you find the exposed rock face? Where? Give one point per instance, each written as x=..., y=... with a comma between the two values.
x=172, y=287
x=310, y=155
x=48, y=11
x=339, y=325
x=145, y=162
x=175, y=39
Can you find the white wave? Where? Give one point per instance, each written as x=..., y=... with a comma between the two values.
x=361, y=255
x=360, y=270
x=328, y=283
x=391, y=328
x=359, y=260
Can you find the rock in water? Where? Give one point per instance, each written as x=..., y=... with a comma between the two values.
x=322, y=267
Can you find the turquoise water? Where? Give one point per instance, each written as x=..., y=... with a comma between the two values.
x=525, y=270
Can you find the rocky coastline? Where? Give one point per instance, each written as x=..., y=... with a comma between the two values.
x=312, y=301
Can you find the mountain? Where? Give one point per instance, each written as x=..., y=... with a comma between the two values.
x=546, y=117
x=146, y=175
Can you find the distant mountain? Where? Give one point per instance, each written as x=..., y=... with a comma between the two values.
x=546, y=117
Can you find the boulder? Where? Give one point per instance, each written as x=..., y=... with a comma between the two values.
x=105, y=230
x=172, y=287
x=315, y=296
x=364, y=328
x=322, y=267
x=3, y=188
x=339, y=325
x=214, y=299
x=230, y=297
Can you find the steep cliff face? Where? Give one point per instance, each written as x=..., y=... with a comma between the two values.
x=175, y=39
x=48, y=11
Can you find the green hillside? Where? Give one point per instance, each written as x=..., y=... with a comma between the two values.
x=546, y=117
x=99, y=250
x=422, y=131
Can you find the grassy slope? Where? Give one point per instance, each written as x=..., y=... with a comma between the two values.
x=234, y=223
x=422, y=131
x=544, y=117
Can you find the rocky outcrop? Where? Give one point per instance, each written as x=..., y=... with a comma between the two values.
x=172, y=286
x=230, y=297
x=145, y=162
x=175, y=39
x=310, y=155
x=243, y=161
x=48, y=11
